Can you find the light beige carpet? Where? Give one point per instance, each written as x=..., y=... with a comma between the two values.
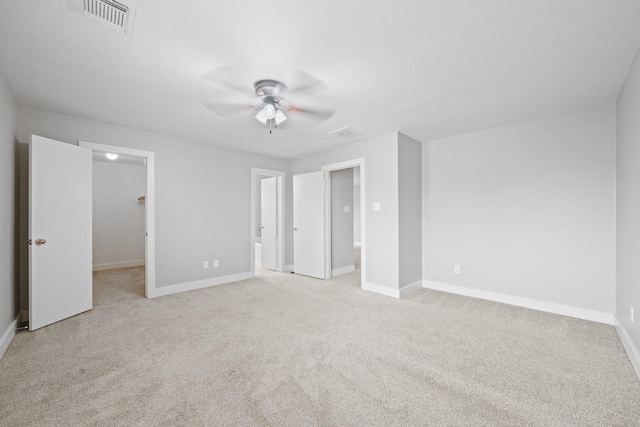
x=286, y=350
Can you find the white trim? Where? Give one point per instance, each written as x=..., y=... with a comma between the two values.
x=632, y=351
x=390, y=292
x=201, y=284
x=7, y=337
x=280, y=184
x=359, y=162
x=382, y=290
x=410, y=288
x=115, y=265
x=257, y=254
x=549, y=307
x=149, y=202
x=288, y=268
x=328, y=226
x=343, y=270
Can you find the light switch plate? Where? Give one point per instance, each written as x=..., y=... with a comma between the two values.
x=376, y=206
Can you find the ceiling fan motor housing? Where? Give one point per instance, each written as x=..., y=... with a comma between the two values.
x=270, y=89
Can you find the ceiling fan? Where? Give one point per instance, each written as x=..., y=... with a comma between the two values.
x=272, y=98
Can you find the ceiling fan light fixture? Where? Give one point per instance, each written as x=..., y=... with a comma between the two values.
x=269, y=111
x=280, y=117
x=261, y=117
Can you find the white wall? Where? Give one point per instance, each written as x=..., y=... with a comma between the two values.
x=410, y=210
x=8, y=137
x=202, y=193
x=381, y=170
x=526, y=210
x=628, y=208
x=22, y=213
x=118, y=219
x=341, y=221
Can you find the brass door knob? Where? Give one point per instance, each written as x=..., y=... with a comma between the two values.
x=40, y=242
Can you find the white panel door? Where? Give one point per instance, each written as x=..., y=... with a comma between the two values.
x=60, y=225
x=309, y=223
x=269, y=221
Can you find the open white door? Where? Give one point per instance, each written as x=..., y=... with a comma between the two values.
x=269, y=221
x=309, y=224
x=60, y=225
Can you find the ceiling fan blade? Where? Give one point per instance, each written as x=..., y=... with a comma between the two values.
x=317, y=114
x=228, y=79
x=307, y=87
x=227, y=109
x=306, y=83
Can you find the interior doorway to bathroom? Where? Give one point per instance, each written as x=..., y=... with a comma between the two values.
x=267, y=220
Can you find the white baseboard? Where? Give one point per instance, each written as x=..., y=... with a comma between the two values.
x=632, y=351
x=390, y=292
x=199, y=284
x=379, y=289
x=343, y=270
x=565, y=310
x=410, y=288
x=7, y=337
x=288, y=268
x=114, y=265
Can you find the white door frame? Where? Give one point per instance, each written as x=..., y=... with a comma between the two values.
x=150, y=213
x=280, y=182
x=327, y=169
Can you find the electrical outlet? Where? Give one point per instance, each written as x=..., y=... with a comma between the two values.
x=631, y=313
x=205, y=264
x=456, y=269
x=215, y=263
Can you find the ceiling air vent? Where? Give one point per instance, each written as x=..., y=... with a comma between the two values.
x=346, y=132
x=113, y=14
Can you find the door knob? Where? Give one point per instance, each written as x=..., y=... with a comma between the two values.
x=40, y=242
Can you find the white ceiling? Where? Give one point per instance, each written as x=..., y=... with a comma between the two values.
x=427, y=68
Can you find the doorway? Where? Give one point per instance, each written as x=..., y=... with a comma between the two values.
x=267, y=220
x=345, y=216
x=144, y=203
x=119, y=195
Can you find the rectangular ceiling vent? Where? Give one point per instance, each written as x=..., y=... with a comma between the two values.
x=113, y=14
x=346, y=132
